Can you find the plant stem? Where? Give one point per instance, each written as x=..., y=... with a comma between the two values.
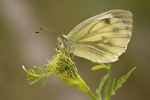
x=86, y=89
x=91, y=95
x=109, y=75
x=109, y=79
x=100, y=98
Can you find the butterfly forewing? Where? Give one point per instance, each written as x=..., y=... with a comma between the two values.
x=125, y=16
x=103, y=37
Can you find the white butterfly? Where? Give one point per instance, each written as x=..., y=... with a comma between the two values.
x=102, y=38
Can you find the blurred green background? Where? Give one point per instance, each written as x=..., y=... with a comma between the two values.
x=19, y=19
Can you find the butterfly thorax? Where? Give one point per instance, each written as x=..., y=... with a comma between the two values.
x=65, y=43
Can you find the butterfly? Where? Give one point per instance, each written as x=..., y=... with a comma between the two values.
x=101, y=38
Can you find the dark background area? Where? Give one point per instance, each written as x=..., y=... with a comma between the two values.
x=19, y=19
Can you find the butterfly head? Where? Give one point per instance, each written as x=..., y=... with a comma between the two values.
x=62, y=39
x=64, y=43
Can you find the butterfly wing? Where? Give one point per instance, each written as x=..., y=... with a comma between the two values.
x=102, y=38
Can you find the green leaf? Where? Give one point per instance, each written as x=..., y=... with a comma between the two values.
x=120, y=82
x=129, y=73
x=29, y=78
x=48, y=61
x=107, y=90
x=48, y=68
x=46, y=77
x=24, y=69
x=33, y=72
x=97, y=92
x=99, y=67
x=39, y=69
x=34, y=77
x=102, y=81
x=45, y=80
x=35, y=80
x=124, y=78
x=113, y=86
x=29, y=72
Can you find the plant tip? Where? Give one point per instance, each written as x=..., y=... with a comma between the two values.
x=23, y=67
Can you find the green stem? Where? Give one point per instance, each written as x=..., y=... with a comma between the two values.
x=100, y=98
x=109, y=75
x=91, y=95
x=109, y=78
x=86, y=89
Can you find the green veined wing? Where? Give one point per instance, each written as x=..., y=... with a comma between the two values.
x=102, y=38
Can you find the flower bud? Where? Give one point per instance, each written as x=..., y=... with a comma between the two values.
x=66, y=71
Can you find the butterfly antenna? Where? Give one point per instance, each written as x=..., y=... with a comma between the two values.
x=47, y=30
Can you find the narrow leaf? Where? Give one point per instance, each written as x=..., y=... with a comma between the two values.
x=29, y=78
x=48, y=61
x=107, y=90
x=45, y=80
x=35, y=80
x=33, y=72
x=29, y=72
x=98, y=67
x=39, y=69
x=97, y=92
x=48, y=68
x=24, y=69
x=113, y=86
x=123, y=79
x=129, y=73
x=118, y=83
x=102, y=81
